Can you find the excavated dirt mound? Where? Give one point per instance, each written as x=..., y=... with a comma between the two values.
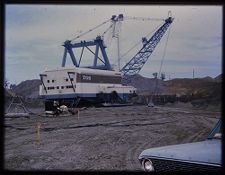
x=101, y=139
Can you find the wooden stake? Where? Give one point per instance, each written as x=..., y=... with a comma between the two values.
x=38, y=133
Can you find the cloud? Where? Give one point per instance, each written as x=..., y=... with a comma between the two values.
x=35, y=33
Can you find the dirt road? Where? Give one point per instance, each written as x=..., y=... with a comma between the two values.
x=101, y=139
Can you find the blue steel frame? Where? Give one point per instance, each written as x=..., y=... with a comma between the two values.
x=137, y=62
x=98, y=42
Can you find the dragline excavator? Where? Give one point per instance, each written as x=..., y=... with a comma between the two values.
x=97, y=83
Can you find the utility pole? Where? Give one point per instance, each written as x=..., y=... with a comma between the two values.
x=193, y=73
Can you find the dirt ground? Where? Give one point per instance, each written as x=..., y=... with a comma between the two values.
x=101, y=139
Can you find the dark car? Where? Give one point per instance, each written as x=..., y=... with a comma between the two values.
x=197, y=156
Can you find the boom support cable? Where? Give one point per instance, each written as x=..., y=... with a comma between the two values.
x=107, y=30
x=143, y=19
x=91, y=30
x=135, y=45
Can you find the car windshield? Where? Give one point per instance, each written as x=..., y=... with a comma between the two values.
x=216, y=133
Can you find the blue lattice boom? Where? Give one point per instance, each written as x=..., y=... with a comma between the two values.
x=137, y=62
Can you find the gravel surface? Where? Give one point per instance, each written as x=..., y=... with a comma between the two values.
x=101, y=139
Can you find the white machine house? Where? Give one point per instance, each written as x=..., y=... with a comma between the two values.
x=85, y=84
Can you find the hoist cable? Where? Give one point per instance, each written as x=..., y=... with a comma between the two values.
x=160, y=68
x=164, y=52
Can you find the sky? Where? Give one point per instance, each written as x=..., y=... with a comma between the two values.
x=34, y=35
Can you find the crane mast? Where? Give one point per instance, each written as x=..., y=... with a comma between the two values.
x=116, y=20
x=137, y=62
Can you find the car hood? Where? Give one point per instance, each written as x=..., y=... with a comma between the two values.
x=208, y=151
